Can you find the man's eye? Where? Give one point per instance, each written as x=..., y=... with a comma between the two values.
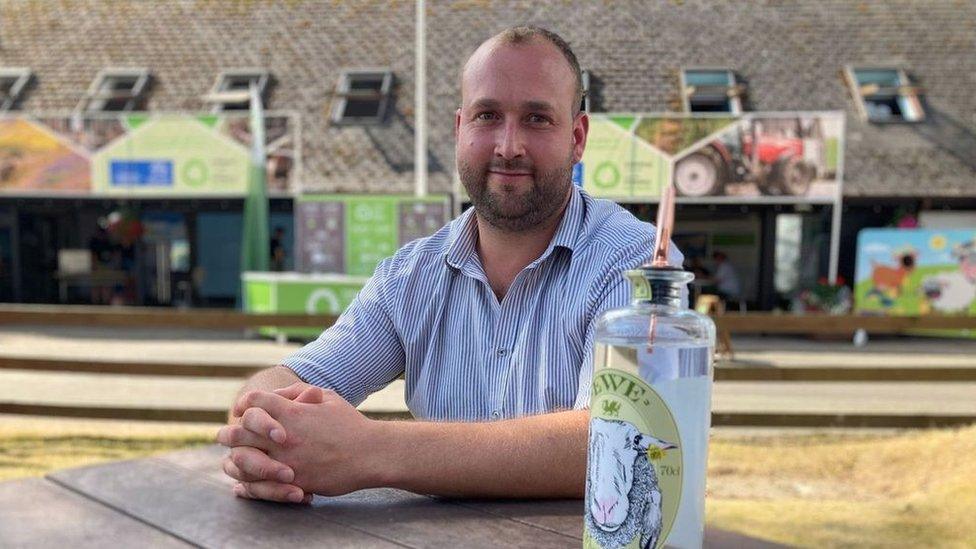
x=537, y=119
x=485, y=116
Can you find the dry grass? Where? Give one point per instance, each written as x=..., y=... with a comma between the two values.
x=32, y=447
x=904, y=490
x=907, y=490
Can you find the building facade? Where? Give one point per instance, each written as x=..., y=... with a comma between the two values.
x=901, y=73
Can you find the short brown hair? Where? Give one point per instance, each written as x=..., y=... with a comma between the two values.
x=524, y=34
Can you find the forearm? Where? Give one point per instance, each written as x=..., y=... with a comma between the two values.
x=269, y=379
x=538, y=456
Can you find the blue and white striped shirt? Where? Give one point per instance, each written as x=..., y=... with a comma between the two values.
x=429, y=313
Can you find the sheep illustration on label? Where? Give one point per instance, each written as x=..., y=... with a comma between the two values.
x=633, y=478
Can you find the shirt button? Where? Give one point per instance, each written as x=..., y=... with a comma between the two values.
x=496, y=414
x=502, y=351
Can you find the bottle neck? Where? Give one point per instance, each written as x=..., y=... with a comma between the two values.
x=654, y=286
x=663, y=293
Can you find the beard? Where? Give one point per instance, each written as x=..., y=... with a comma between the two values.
x=509, y=208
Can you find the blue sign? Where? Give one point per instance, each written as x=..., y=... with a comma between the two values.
x=141, y=173
x=578, y=174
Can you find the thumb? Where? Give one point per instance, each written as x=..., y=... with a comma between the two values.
x=311, y=395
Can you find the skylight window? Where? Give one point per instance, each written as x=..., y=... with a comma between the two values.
x=710, y=90
x=231, y=90
x=362, y=97
x=115, y=90
x=13, y=81
x=885, y=95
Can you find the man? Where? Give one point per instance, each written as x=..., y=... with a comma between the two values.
x=277, y=249
x=726, y=279
x=490, y=320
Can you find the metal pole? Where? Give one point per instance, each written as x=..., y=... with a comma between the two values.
x=420, y=99
x=838, y=206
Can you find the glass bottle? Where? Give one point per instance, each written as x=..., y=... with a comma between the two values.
x=650, y=414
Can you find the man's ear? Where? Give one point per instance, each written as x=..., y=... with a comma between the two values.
x=457, y=122
x=581, y=128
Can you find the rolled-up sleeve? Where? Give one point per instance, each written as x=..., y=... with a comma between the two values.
x=362, y=352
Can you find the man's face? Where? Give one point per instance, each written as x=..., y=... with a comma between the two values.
x=518, y=133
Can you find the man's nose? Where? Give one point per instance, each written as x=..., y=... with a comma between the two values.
x=510, y=142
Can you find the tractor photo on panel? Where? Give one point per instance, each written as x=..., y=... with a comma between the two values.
x=789, y=155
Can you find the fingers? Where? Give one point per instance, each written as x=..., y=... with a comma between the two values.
x=272, y=491
x=250, y=464
x=273, y=403
x=255, y=487
x=234, y=472
x=292, y=391
x=257, y=421
x=311, y=395
x=233, y=436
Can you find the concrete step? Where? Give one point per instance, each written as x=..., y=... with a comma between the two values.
x=164, y=392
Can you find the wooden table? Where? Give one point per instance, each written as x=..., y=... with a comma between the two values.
x=183, y=499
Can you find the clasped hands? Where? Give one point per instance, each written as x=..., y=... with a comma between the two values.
x=294, y=442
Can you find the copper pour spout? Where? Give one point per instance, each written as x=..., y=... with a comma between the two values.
x=659, y=259
x=665, y=227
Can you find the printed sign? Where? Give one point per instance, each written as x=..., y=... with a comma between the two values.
x=151, y=155
x=34, y=159
x=351, y=234
x=321, y=236
x=756, y=157
x=203, y=161
x=916, y=272
x=141, y=172
x=300, y=294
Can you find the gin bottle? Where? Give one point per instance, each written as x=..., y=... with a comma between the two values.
x=650, y=413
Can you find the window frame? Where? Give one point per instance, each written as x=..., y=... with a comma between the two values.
x=733, y=91
x=94, y=93
x=20, y=77
x=219, y=97
x=343, y=93
x=905, y=89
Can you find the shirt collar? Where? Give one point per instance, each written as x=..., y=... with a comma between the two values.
x=571, y=224
x=463, y=237
x=464, y=232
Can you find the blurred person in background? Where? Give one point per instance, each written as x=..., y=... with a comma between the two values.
x=726, y=279
x=277, y=252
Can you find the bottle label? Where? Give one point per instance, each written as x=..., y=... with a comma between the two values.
x=633, y=475
x=640, y=287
